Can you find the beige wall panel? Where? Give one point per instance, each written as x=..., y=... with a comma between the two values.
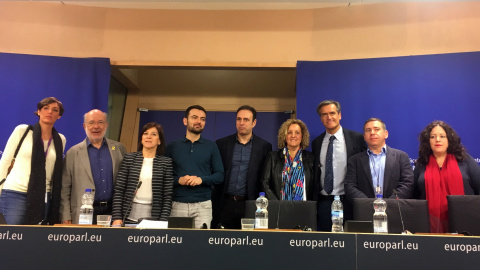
x=52, y=29
x=239, y=38
x=383, y=30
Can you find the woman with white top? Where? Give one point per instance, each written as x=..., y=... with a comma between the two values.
x=30, y=193
x=155, y=171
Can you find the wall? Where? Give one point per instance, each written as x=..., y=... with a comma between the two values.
x=218, y=89
x=237, y=38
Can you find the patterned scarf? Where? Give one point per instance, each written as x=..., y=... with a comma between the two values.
x=293, y=177
x=438, y=184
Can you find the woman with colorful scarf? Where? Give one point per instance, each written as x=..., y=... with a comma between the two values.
x=30, y=194
x=443, y=168
x=288, y=172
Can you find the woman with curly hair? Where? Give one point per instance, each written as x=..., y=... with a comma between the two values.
x=443, y=168
x=288, y=172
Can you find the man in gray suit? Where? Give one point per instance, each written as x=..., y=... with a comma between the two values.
x=93, y=164
x=379, y=170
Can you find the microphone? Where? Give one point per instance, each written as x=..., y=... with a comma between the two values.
x=43, y=222
x=401, y=217
x=279, y=203
x=131, y=202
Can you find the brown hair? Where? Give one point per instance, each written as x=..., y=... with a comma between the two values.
x=373, y=119
x=161, y=136
x=282, y=133
x=49, y=100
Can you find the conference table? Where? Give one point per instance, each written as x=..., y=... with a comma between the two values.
x=57, y=247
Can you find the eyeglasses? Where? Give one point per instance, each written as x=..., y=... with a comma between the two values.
x=92, y=123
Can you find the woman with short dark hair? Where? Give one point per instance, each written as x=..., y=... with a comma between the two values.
x=30, y=193
x=155, y=172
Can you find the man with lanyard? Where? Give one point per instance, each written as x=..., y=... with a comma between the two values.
x=331, y=150
x=243, y=155
x=92, y=164
x=380, y=169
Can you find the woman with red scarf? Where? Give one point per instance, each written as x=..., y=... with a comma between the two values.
x=443, y=168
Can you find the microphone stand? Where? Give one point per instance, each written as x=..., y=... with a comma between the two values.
x=279, y=202
x=401, y=217
x=131, y=203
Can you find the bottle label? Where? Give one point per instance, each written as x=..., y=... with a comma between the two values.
x=261, y=223
x=86, y=219
x=338, y=214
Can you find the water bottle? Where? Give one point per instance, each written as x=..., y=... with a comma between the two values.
x=86, y=210
x=380, y=221
x=337, y=215
x=261, y=215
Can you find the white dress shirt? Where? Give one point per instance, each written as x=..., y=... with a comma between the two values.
x=339, y=161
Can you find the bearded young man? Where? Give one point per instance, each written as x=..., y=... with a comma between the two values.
x=197, y=166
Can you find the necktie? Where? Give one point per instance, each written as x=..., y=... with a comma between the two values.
x=328, y=181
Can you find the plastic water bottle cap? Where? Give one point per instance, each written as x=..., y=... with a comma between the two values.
x=379, y=196
x=88, y=190
x=262, y=194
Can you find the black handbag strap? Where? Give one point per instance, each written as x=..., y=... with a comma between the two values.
x=21, y=141
x=18, y=148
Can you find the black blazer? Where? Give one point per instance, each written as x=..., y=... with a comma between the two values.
x=470, y=175
x=272, y=174
x=127, y=181
x=398, y=175
x=260, y=150
x=354, y=144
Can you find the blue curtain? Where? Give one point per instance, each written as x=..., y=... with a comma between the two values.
x=218, y=125
x=80, y=84
x=407, y=93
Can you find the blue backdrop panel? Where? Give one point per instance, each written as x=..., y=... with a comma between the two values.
x=407, y=93
x=172, y=123
x=80, y=84
x=218, y=125
x=267, y=125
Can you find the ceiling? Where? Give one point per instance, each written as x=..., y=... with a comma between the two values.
x=232, y=4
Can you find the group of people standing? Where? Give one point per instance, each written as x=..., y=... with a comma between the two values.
x=364, y=166
x=196, y=177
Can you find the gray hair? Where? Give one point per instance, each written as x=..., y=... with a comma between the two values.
x=85, y=115
x=328, y=102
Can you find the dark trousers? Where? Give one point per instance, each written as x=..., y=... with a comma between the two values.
x=324, y=212
x=232, y=213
